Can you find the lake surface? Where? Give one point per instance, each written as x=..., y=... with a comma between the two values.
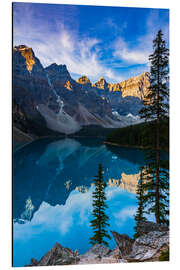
x=52, y=194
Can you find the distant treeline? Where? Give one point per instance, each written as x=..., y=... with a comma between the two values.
x=139, y=135
x=93, y=131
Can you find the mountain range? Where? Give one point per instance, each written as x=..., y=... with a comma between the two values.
x=48, y=100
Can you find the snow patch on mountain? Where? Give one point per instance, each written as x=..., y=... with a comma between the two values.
x=127, y=120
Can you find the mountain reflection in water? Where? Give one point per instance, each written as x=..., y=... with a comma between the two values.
x=52, y=193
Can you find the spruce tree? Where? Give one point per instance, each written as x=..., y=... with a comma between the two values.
x=155, y=113
x=99, y=223
x=141, y=204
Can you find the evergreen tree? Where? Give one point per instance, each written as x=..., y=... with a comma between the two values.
x=141, y=204
x=155, y=113
x=99, y=223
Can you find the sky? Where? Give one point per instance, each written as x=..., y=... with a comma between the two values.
x=96, y=41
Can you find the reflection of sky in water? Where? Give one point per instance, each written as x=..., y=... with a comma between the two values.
x=48, y=204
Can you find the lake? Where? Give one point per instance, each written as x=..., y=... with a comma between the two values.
x=52, y=194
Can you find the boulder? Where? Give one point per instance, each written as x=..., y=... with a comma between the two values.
x=144, y=227
x=100, y=254
x=58, y=255
x=124, y=243
x=97, y=251
x=149, y=246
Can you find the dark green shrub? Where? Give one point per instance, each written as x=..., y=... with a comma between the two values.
x=164, y=256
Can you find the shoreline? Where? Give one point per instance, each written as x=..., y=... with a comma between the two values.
x=124, y=145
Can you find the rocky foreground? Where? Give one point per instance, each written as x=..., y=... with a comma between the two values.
x=153, y=240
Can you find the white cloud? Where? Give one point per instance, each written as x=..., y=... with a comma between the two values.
x=138, y=56
x=79, y=54
x=124, y=214
x=112, y=192
x=82, y=55
x=139, y=53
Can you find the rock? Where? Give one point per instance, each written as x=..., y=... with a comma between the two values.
x=97, y=251
x=136, y=86
x=58, y=255
x=149, y=246
x=124, y=243
x=80, y=92
x=30, y=87
x=83, y=80
x=100, y=254
x=116, y=253
x=34, y=85
x=144, y=227
x=28, y=54
x=102, y=84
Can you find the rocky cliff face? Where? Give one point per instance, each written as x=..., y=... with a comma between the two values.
x=77, y=97
x=124, y=97
x=30, y=86
x=136, y=86
x=133, y=87
x=102, y=84
x=51, y=99
x=28, y=54
x=83, y=80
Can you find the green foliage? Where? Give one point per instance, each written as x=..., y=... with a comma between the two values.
x=140, y=135
x=155, y=113
x=157, y=101
x=164, y=256
x=131, y=135
x=100, y=221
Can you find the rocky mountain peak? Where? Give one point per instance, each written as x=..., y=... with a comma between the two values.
x=57, y=68
x=101, y=83
x=28, y=54
x=58, y=72
x=136, y=86
x=114, y=87
x=83, y=80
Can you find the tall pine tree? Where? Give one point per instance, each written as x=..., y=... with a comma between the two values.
x=99, y=223
x=155, y=113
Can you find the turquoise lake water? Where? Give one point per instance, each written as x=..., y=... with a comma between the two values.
x=52, y=194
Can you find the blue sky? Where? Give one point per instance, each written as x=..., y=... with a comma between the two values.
x=113, y=42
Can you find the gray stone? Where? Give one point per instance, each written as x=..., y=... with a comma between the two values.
x=97, y=251
x=100, y=254
x=144, y=227
x=124, y=243
x=149, y=246
x=58, y=255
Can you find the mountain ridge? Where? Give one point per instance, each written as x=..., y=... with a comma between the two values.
x=133, y=86
x=51, y=98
